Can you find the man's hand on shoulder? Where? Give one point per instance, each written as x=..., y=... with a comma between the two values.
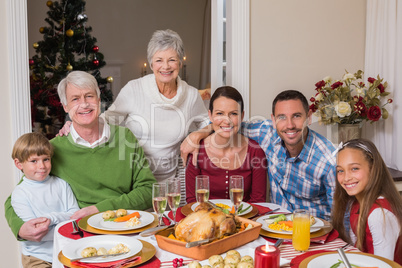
x=35, y=229
x=84, y=212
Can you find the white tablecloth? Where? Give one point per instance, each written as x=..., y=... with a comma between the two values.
x=60, y=242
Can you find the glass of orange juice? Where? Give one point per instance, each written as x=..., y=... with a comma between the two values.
x=301, y=230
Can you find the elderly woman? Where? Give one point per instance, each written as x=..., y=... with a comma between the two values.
x=104, y=165
x=160, y=108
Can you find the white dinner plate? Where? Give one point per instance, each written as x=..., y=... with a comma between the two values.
x=227, y=202
x=73, y=249
x=244, y=252
x=325, y=261
x=314, y=228
x=96, y=221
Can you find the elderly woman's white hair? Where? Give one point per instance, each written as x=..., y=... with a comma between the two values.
x=162, y=40
x=79, y=79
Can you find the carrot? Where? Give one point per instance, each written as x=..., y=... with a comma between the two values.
x=127, y=217
x=233, y=210
x=287, y=223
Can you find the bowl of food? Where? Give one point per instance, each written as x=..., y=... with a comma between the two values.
x=225, y=232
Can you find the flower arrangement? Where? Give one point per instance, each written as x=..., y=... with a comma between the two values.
x=350, y=100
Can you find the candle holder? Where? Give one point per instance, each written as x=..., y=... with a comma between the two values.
x=267, y=256
x=144, y=70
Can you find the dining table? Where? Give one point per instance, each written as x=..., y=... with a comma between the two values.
x=165, y=258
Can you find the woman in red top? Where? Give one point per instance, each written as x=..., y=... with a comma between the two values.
x=226, y=152
x=366, y=189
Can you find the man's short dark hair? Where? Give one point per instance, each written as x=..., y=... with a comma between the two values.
x=290, y=95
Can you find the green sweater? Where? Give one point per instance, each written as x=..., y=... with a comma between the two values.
x=110, y=176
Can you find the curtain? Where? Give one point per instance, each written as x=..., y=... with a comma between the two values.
x=383, y=56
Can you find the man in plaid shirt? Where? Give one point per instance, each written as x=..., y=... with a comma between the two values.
x=301, y=166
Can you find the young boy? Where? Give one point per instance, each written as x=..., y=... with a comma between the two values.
x=39, y=195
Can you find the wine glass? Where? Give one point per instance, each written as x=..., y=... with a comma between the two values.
x=202, y=188
x=173, y=195
x=301, y=230
x=236, y=190
x=159, y=199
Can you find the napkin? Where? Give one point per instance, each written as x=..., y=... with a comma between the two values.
x=179, y=215
x=298, y=259
x=67, y=228
x=262, y=209
x=112, y=264
x=326, y=238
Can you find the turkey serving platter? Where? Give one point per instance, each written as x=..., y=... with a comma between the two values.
x=216, y=247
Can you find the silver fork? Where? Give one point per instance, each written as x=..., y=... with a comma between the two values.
x=75, y=231
x=345, y=246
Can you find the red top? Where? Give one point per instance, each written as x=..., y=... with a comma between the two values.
x=253, y=170
x=354, y=217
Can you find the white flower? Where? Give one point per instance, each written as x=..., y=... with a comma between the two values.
x=360, y=92
x=348, y=76
x=343, y=109
x=319, y=97
x=327, y=79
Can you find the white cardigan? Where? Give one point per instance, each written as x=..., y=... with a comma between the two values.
x=160, y=124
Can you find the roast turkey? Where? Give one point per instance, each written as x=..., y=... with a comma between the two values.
x=205, y=222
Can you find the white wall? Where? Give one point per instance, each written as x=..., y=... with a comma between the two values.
x=9, y=254
x=294, y=44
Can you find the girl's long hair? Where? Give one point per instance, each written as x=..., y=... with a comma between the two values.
x=379, y=184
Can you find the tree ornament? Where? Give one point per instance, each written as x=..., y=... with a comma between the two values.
x=95, y=63
x=69, y=67
x=69, y=33
x=42, y=29
x=95, y=49
x=49, y=3
x=109, y=79
x=32, y=62
x=80, y=17
x=35, y=45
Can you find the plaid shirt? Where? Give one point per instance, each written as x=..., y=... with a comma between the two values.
x=305, y=181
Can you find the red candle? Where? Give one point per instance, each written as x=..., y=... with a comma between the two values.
x=266, y=257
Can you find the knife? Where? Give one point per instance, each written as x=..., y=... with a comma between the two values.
x=99, y=256
x=154, y=230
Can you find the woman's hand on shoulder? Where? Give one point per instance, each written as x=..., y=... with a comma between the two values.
x=188, y=146
x=65, y=130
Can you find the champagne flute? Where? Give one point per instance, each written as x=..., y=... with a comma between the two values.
x=202, y=188
x=236, y=187
x=173, y=195
x=159, y=199
x=301, y=230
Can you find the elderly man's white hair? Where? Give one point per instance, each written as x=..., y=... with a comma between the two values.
x=79, y=79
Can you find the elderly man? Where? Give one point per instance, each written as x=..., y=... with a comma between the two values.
x=103, y=164
x=301, y=166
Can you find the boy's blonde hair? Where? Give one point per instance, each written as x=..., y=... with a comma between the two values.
x=31, y=144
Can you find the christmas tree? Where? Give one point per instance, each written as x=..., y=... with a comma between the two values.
x=66, y=46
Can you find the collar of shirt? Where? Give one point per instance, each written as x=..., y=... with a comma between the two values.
x=103, y=139
x=305, y=154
